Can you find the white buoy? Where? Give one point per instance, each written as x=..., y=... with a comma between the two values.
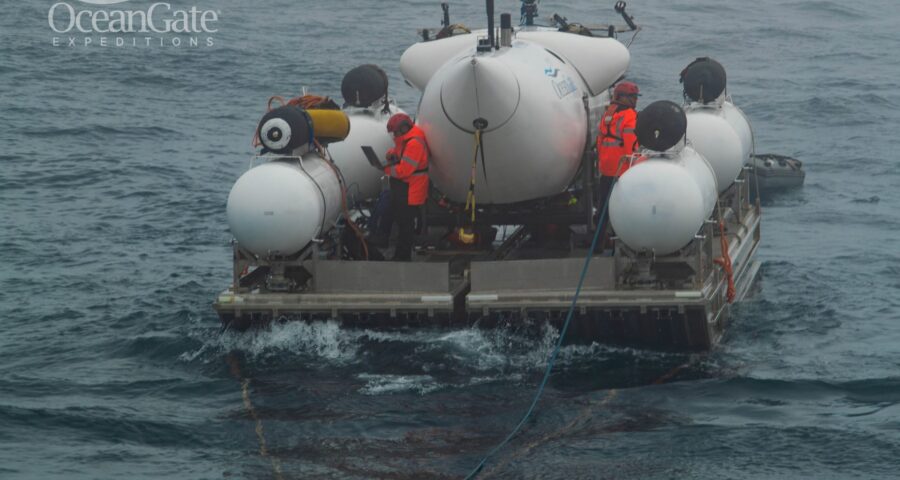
x=660, y=204
x=735, y=116
x=368, y=127
x=278, y=207
x=713, y=136
x=702, y=173
x=705, y=83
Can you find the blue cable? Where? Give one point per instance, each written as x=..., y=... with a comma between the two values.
x=562, y=335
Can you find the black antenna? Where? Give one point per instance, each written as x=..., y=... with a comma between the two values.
x=505, y=30
x=490, y=15
x=620, y=9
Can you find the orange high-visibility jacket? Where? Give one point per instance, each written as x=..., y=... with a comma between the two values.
x=412, y=150
x=617, y=139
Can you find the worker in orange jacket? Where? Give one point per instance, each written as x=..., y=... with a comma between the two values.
x=617, y=140
x=408, y=171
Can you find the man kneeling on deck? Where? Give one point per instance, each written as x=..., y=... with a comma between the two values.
x=408, y=171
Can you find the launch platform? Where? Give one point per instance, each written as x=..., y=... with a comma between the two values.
x=675, y=302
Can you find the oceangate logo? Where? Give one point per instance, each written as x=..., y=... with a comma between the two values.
x=158, y=24
x=103, y=2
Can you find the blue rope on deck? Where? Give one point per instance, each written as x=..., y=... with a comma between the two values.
x=552, y=360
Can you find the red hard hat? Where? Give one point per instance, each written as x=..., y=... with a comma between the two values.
x=398, y=120
x=626, y=88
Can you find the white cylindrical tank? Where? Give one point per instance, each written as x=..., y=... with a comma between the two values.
x=278, y=207
x=368, y=127
x=702, y=173
x=713, y=136
x=536, y=124
x=661, y=203
x=735, y=116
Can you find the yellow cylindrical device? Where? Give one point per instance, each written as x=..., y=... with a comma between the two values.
x=329, y=125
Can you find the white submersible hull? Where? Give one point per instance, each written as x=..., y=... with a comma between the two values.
x=530, y=100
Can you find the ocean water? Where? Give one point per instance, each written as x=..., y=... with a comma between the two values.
x=116, y=163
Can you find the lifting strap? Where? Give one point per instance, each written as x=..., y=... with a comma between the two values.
x=470, y=197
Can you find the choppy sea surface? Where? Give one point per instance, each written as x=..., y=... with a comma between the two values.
x=115, y=166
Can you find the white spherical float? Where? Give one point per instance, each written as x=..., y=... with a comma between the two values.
x=660, y=204
x=657, y=206
x=710, y=134
x=365, y=90
x=705, y=84
x=738, y=121
x=278, y=207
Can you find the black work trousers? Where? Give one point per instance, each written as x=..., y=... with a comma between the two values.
x=405, y=217
x=604, y=187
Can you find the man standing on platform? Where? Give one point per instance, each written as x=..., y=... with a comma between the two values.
x=408, y=171
x=617, y=140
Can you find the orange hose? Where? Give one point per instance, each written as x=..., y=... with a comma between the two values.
x=725, y=262
x=275, y=97
x=308, y=101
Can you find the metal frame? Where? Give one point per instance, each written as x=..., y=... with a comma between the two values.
x=673, y=301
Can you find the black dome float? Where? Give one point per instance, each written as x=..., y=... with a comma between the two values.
x=704, y=80
x=661, y=125
x=284, y=129
x=364, y=85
